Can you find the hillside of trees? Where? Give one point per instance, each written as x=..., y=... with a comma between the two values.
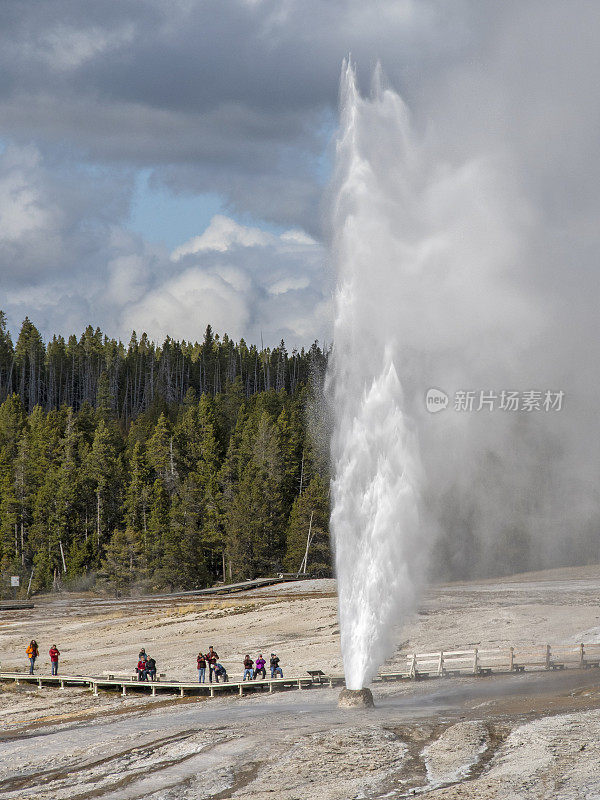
x=152, y=468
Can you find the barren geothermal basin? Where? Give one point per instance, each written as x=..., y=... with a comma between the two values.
x=527, y=735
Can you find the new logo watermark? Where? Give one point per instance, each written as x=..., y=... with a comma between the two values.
x=546, y=400
x=436, y=400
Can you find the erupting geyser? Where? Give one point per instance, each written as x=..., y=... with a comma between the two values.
x=375, y=486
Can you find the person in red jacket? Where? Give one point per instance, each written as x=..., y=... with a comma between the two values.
x=141, y=669
x=54, y=654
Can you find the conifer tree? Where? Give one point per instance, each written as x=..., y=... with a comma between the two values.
x=7, y=357
x=137, y=495
x=308, y=525
x=104, y=470
x=161, y=454
x=123, y=563
x=255, y=521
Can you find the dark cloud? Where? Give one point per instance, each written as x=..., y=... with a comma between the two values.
x=228, y=85
x=238, y=98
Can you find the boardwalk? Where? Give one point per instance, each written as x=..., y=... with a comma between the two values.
x=181, y=688
x=418, y=666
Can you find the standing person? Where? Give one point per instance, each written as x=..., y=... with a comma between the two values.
x=151, y=668
x=201, y=661
x=212, y=657
x=32, y=653
x=275, y=668
x=142, y=655
x=259, y=667
x=141, y=669
x=248, y=664
x=54, y=654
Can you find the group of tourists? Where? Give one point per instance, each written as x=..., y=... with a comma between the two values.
x=146, y=666
x=210, y=661
x=33, y=653
x=252, y=669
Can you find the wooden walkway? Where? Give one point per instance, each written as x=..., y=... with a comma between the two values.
x=124, y=685
x=418, y=666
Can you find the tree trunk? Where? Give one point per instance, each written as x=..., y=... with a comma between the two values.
x=98, y=516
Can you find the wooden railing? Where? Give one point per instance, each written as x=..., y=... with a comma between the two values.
x=484, y=661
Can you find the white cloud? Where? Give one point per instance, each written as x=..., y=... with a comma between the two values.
x=67, y=261
x=183, y=305
x=220, y=236
x=23, y=210
x=243, y=281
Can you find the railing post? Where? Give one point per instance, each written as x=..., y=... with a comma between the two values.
x=512, y=658
x=581, y=655
x=475, y=661
x=548, y=653
x=441, y=664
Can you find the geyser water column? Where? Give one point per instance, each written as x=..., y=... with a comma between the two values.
x=376, y=468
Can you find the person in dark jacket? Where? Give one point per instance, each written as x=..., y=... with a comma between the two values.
x=221, y=672
x=212, y=657
x=248, y=664
x=275, y=668
x=151, y=668
x=201, y=662
x=54, y=654
x=259, y=667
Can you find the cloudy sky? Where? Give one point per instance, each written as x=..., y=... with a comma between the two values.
x=164, y=165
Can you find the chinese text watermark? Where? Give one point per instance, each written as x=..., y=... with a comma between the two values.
x=545, y=400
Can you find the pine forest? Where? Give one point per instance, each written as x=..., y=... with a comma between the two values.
x=146, y=468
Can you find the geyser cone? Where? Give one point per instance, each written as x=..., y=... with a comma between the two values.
x=355, y=698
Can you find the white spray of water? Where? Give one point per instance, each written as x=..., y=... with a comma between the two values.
x=375, y=488
x=450, y=275
x=428, y=252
